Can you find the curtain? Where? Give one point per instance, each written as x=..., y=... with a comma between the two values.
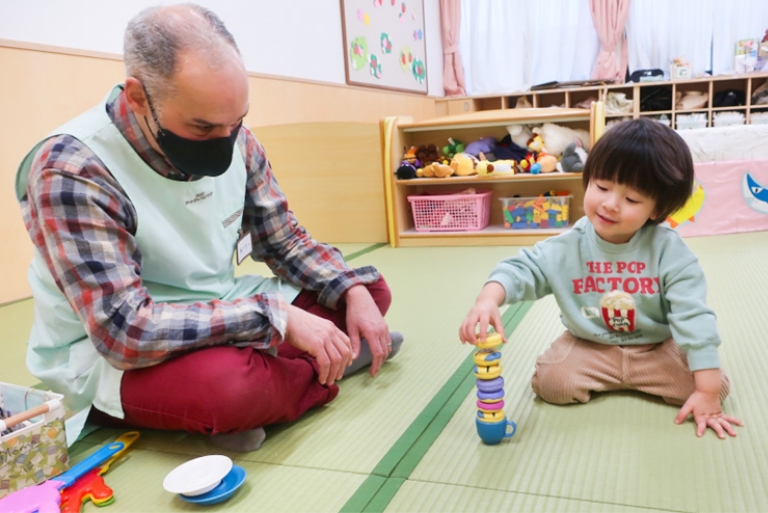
x=511, y=45
x=610, y=18
x=562, y=43
x=738, y=19
x=656, y=36
x=494, y=50
x=453, y=71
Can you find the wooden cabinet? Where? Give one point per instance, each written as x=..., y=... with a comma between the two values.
x=634, y=94
x=401, y=132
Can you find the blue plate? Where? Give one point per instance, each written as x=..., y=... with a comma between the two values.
x=223, y=490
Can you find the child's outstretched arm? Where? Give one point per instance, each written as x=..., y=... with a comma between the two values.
x=484, y=312
x=704, y=404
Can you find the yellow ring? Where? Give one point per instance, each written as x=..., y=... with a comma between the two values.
x=482, y=358
x=487, y=372
x=494, y=416
x=492, y=340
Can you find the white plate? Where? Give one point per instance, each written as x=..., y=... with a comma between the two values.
x=223, y=491
x=198, y=476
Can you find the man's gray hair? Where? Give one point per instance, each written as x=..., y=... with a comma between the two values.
x=157, y=35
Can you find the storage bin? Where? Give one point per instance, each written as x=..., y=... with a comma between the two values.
x=758, y=118
x=538, y=212
x=35, y=450
x=727, y=118
x=451, y=212
x=689, y=121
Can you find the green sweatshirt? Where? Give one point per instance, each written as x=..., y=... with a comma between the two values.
x=641, y=292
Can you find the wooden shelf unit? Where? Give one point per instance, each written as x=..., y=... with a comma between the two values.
x=401, y=132
x=569, y=97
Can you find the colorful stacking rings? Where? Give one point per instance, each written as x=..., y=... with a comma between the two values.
x=490, y=384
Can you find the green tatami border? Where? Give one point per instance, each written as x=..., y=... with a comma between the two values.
x=397, y=464
x=363, y=251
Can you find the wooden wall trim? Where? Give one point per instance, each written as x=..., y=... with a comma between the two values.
x=38, y=47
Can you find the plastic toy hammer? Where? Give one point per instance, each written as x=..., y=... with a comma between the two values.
x=46, y=496
x=92, y=486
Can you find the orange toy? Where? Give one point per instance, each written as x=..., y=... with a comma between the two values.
x=91, y=486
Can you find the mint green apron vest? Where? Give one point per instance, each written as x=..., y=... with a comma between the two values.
x=187, y=233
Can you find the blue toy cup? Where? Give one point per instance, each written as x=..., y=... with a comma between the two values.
x=492, y=433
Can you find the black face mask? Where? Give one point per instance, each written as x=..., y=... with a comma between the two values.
x=207, y=157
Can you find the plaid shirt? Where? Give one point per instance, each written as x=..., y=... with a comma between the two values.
x=83, y=223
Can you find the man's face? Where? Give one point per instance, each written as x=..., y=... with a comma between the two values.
x=209, y=101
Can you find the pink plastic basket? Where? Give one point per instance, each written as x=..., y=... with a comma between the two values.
x=451, y=212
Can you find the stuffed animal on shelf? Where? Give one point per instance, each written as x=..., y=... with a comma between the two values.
x=537, y=160
x=427, y=154
x=484, y=168
x=406, y=171
x=536, y=143
x=557, y=137
x=463, y=164
x=574, y=157
x=495, y=167
x=546, y=163
x=409, y=165
x=435, y=170
x=525, y=165
x=410, y=154
x=506, y=149
x=519, y=135
x=453, y=148
x=483, y=146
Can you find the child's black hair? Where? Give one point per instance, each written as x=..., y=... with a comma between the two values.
x=648, y=156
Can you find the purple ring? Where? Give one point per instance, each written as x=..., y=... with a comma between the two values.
x=490, y=385
x=490, y=396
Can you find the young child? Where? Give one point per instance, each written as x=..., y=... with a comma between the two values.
x=631, y=293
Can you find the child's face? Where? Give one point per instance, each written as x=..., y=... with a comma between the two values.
x=617, y=211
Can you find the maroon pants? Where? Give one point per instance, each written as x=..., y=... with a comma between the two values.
x=225, y=389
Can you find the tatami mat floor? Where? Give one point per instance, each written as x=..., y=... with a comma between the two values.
x=406, y=440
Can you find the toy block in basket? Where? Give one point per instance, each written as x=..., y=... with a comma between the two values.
x=33, y=444
x=464, y=211
x=540, y=212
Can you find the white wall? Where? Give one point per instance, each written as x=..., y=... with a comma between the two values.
x=290, y=38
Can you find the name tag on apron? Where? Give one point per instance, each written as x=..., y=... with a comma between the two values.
x=244, y=247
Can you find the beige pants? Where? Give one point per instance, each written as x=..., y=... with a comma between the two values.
x=572, y=368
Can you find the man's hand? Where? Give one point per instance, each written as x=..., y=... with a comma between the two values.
x=320, y=338
x=704, y=404
x=364, y=320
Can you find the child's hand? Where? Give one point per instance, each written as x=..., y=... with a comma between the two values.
x=485, y=312
x=707, y=413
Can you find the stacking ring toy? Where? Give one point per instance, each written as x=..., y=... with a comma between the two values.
x=490, y=385
x=485, y=372
x=491, y=416
x=487, y=357
x=486, y=407
x=492, y=340
x=490, y=397
x=491, y=422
